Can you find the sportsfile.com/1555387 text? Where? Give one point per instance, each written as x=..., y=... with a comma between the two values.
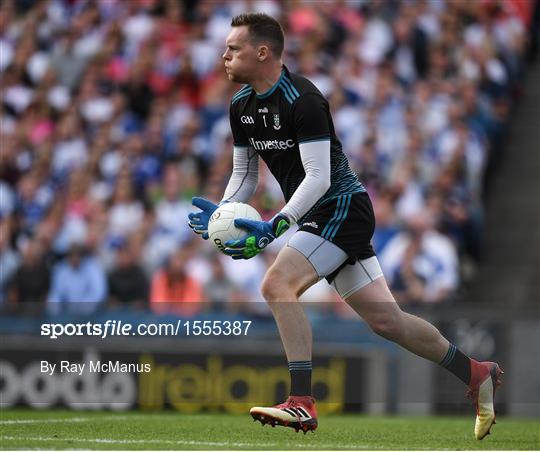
x=118, y=328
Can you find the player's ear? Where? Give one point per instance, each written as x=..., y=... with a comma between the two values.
x=262, y=53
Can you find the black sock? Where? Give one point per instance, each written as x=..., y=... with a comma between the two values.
x=457, y=363
x=300, y=378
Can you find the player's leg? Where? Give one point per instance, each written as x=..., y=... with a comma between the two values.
x=290, y=275
x=298, y=266
x=376, y=305
x=364, y=288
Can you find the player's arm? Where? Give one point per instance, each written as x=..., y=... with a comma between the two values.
x=315, y=157
x=245, y=175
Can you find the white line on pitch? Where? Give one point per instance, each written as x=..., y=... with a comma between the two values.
x=60, y=420
x=136, y=441
x=186, y=443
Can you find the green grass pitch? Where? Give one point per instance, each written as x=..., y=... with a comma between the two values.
x=25, y=429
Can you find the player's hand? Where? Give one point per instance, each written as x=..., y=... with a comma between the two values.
x=198, y=221
x=260, y=234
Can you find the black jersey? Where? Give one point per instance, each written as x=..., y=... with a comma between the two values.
x=275, y=123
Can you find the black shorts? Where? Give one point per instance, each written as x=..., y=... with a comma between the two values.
x=348, y=222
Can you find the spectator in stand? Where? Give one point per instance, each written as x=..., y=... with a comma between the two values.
x=128, y=284
x=421, y=263
x=409, y=283
x=219, y=290
x=173, y=290
x=9, y=259
x=126, y=213
x=386, y=222
x=170, y=228
x=78, y=280
x=74, y=205
x=30, y=283
x=70, y=149
x=31, y=207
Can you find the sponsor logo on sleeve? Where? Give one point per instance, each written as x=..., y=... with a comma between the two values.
x=311, y=225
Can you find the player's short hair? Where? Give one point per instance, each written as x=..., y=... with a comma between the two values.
x=262, y=29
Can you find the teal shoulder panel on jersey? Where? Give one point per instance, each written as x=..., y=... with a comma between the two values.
x=244, y=92
x=290, y=85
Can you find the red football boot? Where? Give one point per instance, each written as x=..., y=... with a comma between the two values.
x=298, y=412
x=485, y=378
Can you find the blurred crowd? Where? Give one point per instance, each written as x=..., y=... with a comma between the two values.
x=115, y=113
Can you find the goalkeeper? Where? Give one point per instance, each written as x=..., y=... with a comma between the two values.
x=283, y=118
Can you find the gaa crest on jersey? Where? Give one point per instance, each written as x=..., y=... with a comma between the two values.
x=277, y=124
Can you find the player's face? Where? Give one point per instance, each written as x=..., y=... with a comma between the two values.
x=240, y=56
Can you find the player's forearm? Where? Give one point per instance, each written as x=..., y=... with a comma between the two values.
x=245, y=175
x=306, y=195
x=240, y=187
x=316, y=160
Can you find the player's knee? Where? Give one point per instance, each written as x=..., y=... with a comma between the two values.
x=275, y=286
x=387, y=324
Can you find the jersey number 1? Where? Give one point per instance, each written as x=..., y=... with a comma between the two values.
x=264, y=119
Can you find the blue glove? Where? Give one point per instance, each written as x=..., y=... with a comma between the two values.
x=260, y=234
x=198, y=221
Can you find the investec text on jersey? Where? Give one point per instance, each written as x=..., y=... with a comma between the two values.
x=264, y=145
